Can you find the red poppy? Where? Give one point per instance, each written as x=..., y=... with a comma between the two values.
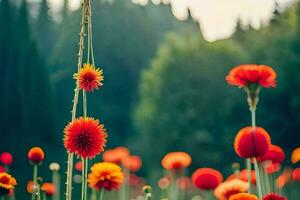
x=274, y=154
x=252, y=143
x=296, y=174
x=206, y=178
x=132, y=163
x=229, y=188
x=271, y=168
x=85, y=136
x=6, y=158
x=273, y=196
x=252, y=74
x=36, y=155
x=115, y=155
x=164, y=183
x=184, y=183
x=49, y=189
x=176, y=160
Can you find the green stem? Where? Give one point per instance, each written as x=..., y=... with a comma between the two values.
x=249, y=173
x=82, y=178
x=85, y=177
x=44, y=196
x=35, y=189
x=101, y=194
x=258, y=183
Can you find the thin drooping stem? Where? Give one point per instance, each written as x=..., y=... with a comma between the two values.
x=35, y=184
x=75, y=102
x=258, y=179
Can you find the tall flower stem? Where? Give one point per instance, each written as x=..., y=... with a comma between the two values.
x=101, y=194
x=258, y=179
x=75, y=101
x=35, y=184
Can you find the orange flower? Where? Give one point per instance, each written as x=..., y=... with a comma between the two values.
x=6, y=158
x=30, y=185
x=85, y=136
x=89, y=78
x=225, y=190
x=273, y=196
x=132, y=163
x=284, y=178
x=36, y=155
x=105, y=175
x=271, y=168
x=206, y=178
x=249, y=143
x=49, y=189
x=243, y=196
x=7, y=183
x=243, y=175
x=274, y=154
x=176, y=160
x=252, y=74
x=296, y=174
x=164, y=183
x=115, y=155
x=295, y=155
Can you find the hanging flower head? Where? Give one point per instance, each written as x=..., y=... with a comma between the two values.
x=207, y=178
x=6, y=158
x=243, y=196
x=85, y=136
x=295, y=155
x=116, y=155
x=275, y=154
x=36, y=155
x=49, y=189
x=252, y=77
x=176, y=160
x=249, y=143
x=273, y=196
x=132, y=163
x=7, y=183
x=89, y=78
x=225, y=190
x=105, y=175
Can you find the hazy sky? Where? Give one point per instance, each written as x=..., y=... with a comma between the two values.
x=217, y=18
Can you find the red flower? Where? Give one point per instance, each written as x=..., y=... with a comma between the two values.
x=271, y=168
x=78, y=166
x=6, y=158
x=89, y=78
x=296, y=174
x=132, y=163
x=274, y=154
x=176, y=160
x=206, y=178
x=49, y=189
x=36, y=155
x=183, y=183
x=164, y=183
x=273, y=196
x=115, y=155
x=249, y=74
x=249, y=143
x=85, y=136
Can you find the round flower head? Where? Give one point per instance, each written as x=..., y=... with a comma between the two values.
x=296, y=174
x=7, y=183
x=49, y=189
x=273, y=196
x=89, y=78
x=243, y=176
x=132, y=163
x=184, y=183
x=36, y=155
x=225, y=190
x=105, y=175
x=85, y=136
x=274, y=154
x=176, y=160
x=271, y=168
x=163, y=183
x=243, y=196
x=78, y=166
x=249, y=143
x=252, y=74
x=206, y=178
x=295, y=155
x=54, y=166
x=30, y=186
x=116, y=155
x=6, y=158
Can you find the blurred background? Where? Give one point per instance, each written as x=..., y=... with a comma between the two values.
x=164, y=63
